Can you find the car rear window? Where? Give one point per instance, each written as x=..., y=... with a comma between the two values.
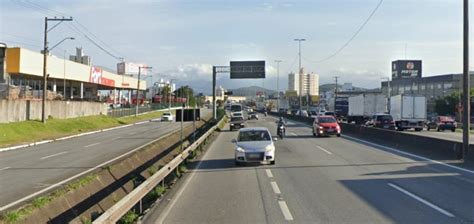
x=260, y=135
x=384, y=118
x=444, y=118
x=327, y=120
x=329, y=113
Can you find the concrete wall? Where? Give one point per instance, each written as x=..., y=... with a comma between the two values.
x=21, y=110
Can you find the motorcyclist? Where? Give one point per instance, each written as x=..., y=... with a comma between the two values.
x=281, y=122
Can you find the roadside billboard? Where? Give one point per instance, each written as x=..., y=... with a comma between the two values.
x=406, y=69
x=129, y=68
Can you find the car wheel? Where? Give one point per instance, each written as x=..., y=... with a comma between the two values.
x=314, y=134
x=231, y=129
x=338, y=135
x=417, y=129
x=272, y=162
x=237, y=163
x=438, y=129
x=428, y=128
x=453, y=130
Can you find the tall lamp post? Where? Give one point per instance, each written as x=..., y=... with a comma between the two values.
x=299, y=72
x=45, y=58
x=169, y=99
x=278, y=84
x=138, y=86
x=466, y=85
x=389, y=91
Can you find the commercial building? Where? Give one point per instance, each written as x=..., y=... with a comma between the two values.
x=23, y=77
x=432, y=87
x=305, y=84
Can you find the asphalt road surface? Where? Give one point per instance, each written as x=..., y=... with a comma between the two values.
x=317, y=180
x=26, y=171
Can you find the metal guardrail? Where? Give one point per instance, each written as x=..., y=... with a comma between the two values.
x=123, y=112
x=113, y=214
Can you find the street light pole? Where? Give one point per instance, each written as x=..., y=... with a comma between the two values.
x=300, y=86
x=138, y=87
x=278, y=84
x=466, y=87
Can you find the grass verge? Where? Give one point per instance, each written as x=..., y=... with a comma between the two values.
x=31, y=131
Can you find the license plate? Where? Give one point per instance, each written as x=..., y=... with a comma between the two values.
x=253, y=156
x=330, y=130
x=385, y=126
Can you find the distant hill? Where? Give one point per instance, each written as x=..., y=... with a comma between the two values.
x=330, y=87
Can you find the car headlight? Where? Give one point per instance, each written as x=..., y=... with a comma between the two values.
x=269, y=148
x=238, y=149
x=231, y=124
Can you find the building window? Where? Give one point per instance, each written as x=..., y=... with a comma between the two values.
x=415, y=87
x=439, y=86
x=422, y=86
x=448, y=85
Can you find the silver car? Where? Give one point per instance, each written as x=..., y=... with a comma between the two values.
x=254, y=145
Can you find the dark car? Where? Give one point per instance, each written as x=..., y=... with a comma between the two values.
x=384, y=121
x=441, y=123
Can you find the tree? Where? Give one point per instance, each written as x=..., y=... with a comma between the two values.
x=447, y=105
x=186, y=92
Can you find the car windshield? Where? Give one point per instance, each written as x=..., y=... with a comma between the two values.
x=329, y=113
x=236, y=119
x=327, y=120
x=235, y=108
x=166, y=114
x=254, y=135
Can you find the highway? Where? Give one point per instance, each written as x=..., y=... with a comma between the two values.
x=26, y=171
x=317, y=180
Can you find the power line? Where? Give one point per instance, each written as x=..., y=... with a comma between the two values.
x=352, y=37
x=46, y=11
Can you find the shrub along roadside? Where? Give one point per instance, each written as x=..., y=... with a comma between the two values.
x=31, y=131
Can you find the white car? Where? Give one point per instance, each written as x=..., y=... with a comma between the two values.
x=167, y=116
x=254, y=145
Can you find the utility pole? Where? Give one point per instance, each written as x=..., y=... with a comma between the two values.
x=45, y=60
x=335, y=92
x=278, y=84
x=138, y=88
x=300, y=72
x=466, y=87
x=214, y=108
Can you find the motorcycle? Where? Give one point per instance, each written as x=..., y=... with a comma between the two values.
x=281, y=131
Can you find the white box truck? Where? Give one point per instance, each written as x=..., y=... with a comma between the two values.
x=408, y=111
x=362, y=107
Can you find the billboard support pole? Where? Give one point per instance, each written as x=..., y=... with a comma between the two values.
x=466, y=93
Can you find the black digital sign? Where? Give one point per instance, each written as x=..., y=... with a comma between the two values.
x=406, y=69
x=247, y=69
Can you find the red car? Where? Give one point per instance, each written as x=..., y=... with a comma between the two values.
x=325, y=126
x=442, y=123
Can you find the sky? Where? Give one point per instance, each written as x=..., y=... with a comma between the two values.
x=183, y=39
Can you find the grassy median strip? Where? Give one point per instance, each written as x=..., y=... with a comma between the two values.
x=32, y=131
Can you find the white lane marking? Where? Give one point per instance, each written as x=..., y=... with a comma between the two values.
x=325, y=150
x=409, y=154
x=284, y=209
x=57, y=154
x=178, y=194
x=30, y=196
x=444, y=212
x=87, y=146
x=293, y=134
x=269, y=173
x=5, y=168
x=275, y=187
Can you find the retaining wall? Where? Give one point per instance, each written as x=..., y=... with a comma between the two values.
x=21, y=110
